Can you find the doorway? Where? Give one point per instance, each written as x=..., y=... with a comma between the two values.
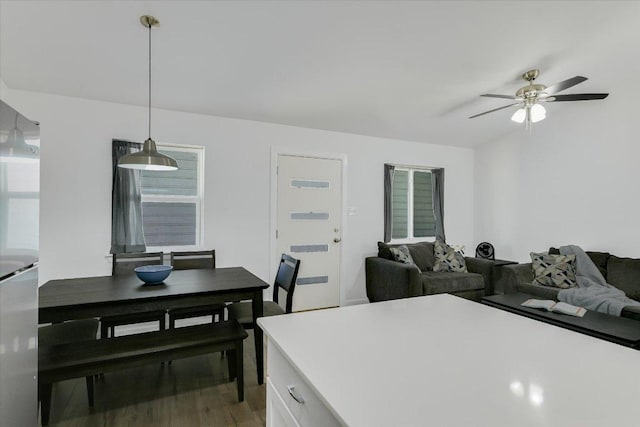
x=309, y=226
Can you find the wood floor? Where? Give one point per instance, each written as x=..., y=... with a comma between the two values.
x=191, y=392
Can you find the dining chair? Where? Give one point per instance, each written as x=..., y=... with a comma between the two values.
x=125, y=264
x=73, y=331
x=195, y=260
x=285, y=280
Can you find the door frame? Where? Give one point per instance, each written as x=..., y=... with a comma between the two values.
x=274, y=257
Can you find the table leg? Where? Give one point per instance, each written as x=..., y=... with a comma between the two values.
x=45, y=402
x=257, y=334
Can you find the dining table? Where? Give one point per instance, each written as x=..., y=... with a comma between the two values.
x=94, y=297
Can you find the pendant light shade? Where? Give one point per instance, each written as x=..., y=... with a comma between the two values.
x=538, y=113
x=16, y=148
x=148, y=158
x=519, y=115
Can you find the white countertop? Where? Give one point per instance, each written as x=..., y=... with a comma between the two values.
x=444, y=361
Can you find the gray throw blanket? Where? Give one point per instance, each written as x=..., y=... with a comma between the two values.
x=593, y=292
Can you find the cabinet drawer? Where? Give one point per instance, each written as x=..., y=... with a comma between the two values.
x=277, y=413
x=301, y=401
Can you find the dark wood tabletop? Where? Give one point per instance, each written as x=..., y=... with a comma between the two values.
x=89, y=297
x=600, y=325
x=128, y=288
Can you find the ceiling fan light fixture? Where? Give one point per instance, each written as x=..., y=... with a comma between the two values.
x=528, y=98
x=148, y=158
x=537, y=113
x=519, y=115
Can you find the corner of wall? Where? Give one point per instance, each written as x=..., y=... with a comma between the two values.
x=5, y=92
x=3, y=89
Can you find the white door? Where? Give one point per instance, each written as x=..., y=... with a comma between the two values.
x=309, y=216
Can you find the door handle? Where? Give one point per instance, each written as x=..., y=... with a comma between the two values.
x=337, y=240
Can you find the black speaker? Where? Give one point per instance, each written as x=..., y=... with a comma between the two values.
x=485, y=250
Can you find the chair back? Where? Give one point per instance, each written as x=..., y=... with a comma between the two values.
x=193, y=260
x=125, y=263
x=286, y=279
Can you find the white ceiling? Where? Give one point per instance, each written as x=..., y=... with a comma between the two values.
x=406, y=70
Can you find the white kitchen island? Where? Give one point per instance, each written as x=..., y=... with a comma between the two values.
x=443, y=361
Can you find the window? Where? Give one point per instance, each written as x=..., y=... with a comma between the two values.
x=19, y=202
x=172, y=201
x=412, y=204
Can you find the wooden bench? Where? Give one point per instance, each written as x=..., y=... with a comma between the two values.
x=87, y=358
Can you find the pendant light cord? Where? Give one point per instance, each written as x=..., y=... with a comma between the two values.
x=149, y=80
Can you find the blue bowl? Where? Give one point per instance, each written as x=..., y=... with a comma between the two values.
x=153, y=274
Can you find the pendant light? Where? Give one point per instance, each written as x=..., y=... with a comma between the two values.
x=148, y=158
x=16, y=148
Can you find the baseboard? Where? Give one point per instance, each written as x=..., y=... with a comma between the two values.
x=357, y=301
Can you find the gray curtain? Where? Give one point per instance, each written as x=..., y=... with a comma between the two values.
x=388, y=189
x=126, y=202
x=437, y=184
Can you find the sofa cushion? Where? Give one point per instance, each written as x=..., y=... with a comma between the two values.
x=624, y=274
x=538, y=291
x=554, y=270
x=600, y=259
x=447, y=259
x=422, y=254
x=439, y=282
x=401, y=254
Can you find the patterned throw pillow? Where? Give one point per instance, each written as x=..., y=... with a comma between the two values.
x=558, y=271
x=447, y=259
x=402, y=254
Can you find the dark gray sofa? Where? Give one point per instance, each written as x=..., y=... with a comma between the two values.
x=623, y=273
x=387, y=279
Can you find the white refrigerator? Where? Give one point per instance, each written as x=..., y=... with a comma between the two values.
x=19, y=213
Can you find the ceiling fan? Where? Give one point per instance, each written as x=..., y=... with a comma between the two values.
x=531, y=97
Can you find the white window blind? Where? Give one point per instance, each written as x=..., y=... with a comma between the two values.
x=172, y=201
x=412, y=204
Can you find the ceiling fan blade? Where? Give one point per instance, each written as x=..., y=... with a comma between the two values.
x=565, y=84
x=495, y=109
x=491, y=95
x=577, y=97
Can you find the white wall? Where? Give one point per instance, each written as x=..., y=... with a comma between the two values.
x=574, y=179
x=76, y=183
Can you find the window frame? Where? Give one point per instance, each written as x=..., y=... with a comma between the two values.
x=410, y=226
x=198, y=198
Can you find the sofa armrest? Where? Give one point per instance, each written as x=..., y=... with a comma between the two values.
x=483, y=267
x=388, y=279
x=512, y=275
